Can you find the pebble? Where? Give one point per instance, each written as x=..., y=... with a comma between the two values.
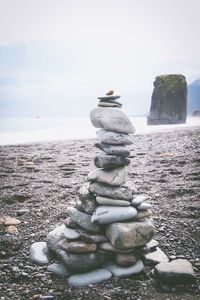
x=37, y=253
x=143, y=214
x=118, y=271
x=111, y=119
x=126, y=259
x=112, y=177
x=118, y=150
x=85, y=279
x=151, y=246
x=58, y=269
x=83, y=220
x=110, y=161
x=114, y=138
x=144, y=206
x=110, y=214
x=122, y=192
x=22, y=211
x=11, y=221
x=179, y=271
x=156, y=257
x=130, y=234
x=11, y=229
x=111, y=201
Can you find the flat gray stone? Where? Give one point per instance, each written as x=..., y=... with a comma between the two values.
x=144, y=206
x=112, y=177
x=179, y=271
x=130, y=234
x=114, y=138
x=83, y=220
x=105, y=190
x=119, y=150
x=110, y=161
x=109, y=98
x=109, y=104
x=118, y=271
x=110, y=214
x=38, y=254
x=93, y=277
x=111, y=202
x=138, y=199
x=113, y=119
x=58, y=269
x=71, y=234
x=82, y=262
x=156, y=257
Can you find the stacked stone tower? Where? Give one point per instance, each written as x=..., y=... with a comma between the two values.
x=107, y=230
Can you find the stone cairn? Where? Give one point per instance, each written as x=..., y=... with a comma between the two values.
x=106, y=232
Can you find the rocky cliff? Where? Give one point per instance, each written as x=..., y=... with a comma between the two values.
x=169, y=100
x=193, y=97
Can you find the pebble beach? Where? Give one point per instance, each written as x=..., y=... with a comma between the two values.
x=39, y=180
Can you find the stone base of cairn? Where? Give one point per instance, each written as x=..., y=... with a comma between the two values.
x=107, y=232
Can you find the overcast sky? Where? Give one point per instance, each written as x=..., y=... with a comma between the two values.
x=57, y=56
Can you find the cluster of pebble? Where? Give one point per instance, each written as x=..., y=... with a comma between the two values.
x=110, y=229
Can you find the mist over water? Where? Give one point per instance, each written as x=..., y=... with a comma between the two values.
x=25, y=130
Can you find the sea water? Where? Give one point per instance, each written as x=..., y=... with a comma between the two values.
x=25, y=130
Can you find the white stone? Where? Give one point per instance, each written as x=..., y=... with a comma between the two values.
x=38, y=252
x=156, y=257
x=111, y=119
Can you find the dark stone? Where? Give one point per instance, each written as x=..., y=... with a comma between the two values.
x=110, y=161
x=169, y=100
x=196, y=113
x=82, y=262
x=120, y=150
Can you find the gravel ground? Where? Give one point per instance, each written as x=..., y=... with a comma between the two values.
x=44, y=178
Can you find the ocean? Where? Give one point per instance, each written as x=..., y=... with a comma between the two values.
x=26, y=130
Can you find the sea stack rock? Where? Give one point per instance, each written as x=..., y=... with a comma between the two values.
x=107, y=231
x=169, y=100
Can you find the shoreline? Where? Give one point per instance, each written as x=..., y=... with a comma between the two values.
x=162, y=131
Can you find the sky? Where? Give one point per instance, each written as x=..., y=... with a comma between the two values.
x=58, y=56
